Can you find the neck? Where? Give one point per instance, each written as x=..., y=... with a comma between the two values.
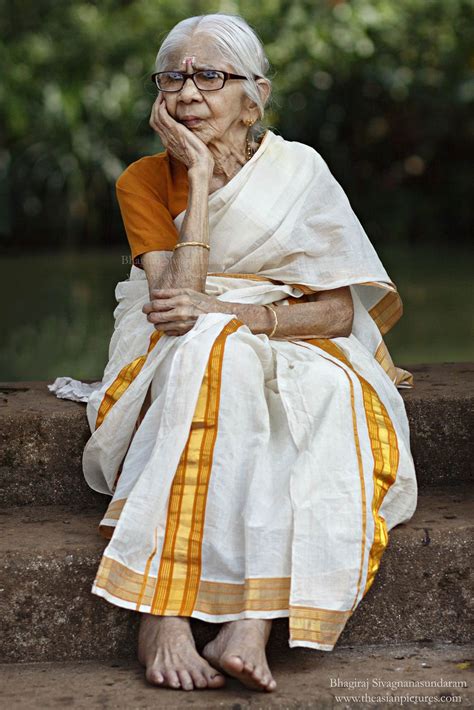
x=229, y=152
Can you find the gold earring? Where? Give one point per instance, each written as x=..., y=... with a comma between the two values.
x=249, y=122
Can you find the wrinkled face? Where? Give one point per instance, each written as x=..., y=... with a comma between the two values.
x=220, y=112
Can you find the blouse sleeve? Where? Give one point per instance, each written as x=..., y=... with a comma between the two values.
x=148, y=223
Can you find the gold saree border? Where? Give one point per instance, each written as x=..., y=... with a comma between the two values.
x=255, y=594
x=384, y=359
x=176, y=586
x=387, y=311
x=180, y=565
x=386, y=455
x=331, y=348
x=213, y=598
x=124, y=379
x=112, y=513
x=320, y=626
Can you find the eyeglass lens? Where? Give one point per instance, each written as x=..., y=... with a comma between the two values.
x=207, y=80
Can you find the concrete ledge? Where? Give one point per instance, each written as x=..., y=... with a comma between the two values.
x=303, y=681
x=43, y=437
x=49, y=557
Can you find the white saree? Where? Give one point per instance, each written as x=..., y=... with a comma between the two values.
x=254, y=477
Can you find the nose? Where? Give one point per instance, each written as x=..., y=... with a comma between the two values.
x=189, y=90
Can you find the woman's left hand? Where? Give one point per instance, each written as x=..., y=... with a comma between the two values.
x=176, y=310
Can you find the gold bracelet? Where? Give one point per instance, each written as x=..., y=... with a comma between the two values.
x=265, y=305
x=192, y=244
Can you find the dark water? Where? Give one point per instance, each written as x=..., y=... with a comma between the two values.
x=58, y=310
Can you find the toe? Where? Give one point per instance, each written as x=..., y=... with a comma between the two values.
x=154, y=676
x=235, y=662
x=208, y=650
x=186, y=680
x=271, y=685
x=249, y=666
x=260, y=675
x=213, y=678
x=198, y=679
x=172, y=679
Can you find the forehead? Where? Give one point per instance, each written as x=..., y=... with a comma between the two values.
x=206, y=55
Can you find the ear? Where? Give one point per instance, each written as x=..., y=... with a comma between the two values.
x=265, y=89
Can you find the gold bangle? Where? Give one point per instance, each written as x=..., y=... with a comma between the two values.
x=265, y=305
x=191, y=244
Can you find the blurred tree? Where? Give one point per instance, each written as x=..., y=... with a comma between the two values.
x=382, y=89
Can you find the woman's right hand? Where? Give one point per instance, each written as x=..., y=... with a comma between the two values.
x=180, y=141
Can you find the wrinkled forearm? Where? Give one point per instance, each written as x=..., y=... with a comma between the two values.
x=324, y=319
x=187, y=266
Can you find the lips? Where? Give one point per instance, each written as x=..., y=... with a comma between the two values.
x=190, y=119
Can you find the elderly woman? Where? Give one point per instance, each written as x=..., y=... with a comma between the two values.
x=248, y=425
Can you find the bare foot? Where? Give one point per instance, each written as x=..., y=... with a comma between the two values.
x=167, y=649
x=239, y=650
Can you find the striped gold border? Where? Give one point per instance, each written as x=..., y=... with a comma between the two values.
x=384, y=359
x=262, y=594
x=180, y=565
x=384, y=446
x=323, y=626
x=396, y=374
x=124, y=379
x=213, y=598
x=176, y=588
x=113, y=512
x=332, y=349
x=387, y=311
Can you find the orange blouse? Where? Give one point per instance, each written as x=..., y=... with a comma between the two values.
x=151, y=192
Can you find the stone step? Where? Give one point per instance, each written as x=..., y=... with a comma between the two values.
x=49, y=556
x=43, y=437
x=305, y=679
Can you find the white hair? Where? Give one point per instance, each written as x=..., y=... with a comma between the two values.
x=237, y=43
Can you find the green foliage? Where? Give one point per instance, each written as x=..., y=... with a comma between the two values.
x=381, y=88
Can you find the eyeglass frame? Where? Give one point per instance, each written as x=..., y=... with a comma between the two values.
x=227, y=76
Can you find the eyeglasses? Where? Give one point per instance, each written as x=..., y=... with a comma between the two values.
x=204, y=80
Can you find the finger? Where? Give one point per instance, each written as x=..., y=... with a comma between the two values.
x=162, y=305
x=179, y=315
x=163, y=114
x=155, y=116
x=167, y=304
x=156, y=119
x=166, y=292
x=168, y=120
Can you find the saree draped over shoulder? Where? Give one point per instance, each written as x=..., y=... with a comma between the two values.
x=254, y=477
